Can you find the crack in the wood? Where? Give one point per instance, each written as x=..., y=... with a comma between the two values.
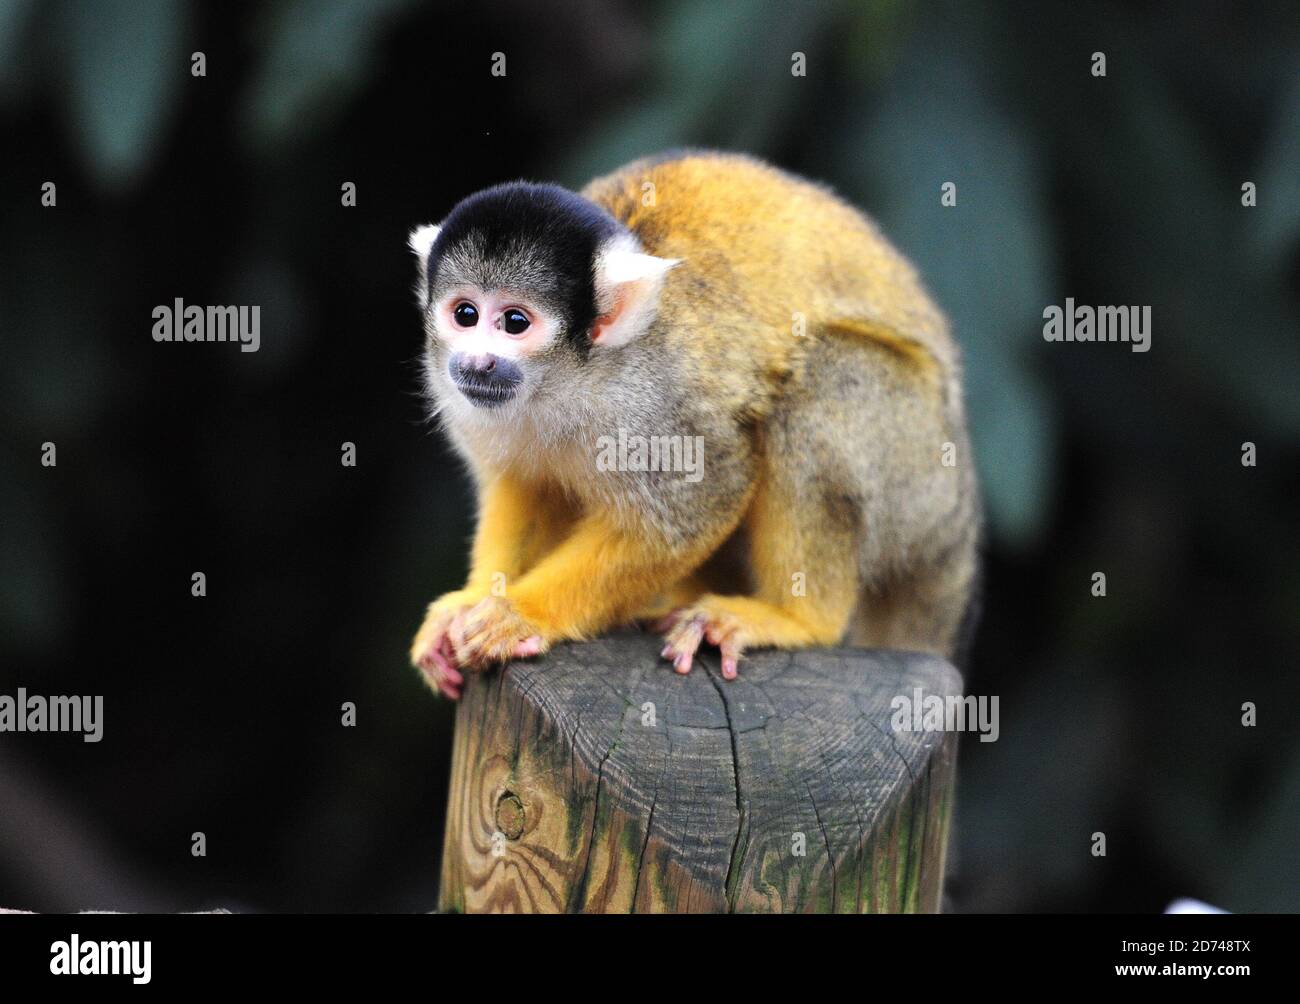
x=829, y=767
x=581, y=889
x=830, y=855
x=573, y=750
x=640, y=861
x=908, y=803
x=742, y=814
x=893, y=744
x=650, y=820
x=921, y=799
x=905, y=857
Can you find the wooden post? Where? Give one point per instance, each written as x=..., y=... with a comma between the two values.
x=598, y=780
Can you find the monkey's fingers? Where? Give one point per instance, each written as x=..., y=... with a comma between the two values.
x=448, y=654
x=452, y=678
x=493, y=632
x=441, y=676
x=440, y=670
x=431, y=636
x=683, y=641
x=731, y=651
x=666, y=623
x=422, y=649
x=529, y=647
x=458, y=635
x=730, y=646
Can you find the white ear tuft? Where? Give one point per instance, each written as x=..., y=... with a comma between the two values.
x=619, y=265
x=421, y=242
x=628, y=283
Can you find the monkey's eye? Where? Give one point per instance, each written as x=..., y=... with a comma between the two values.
x=466, y=314
x=515, y=321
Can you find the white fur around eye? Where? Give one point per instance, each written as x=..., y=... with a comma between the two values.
x=487, y=337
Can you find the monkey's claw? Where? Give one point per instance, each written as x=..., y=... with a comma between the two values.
x=439, y=669
x=687, y=628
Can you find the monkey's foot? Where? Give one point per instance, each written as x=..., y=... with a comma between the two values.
x=686, y=628
x=491, y=632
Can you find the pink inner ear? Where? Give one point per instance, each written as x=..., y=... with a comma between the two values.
x=606, y=321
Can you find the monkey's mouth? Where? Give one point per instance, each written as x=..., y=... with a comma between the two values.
x=487, y=395
x=487, y=381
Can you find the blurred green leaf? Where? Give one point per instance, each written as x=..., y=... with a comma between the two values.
x=1278, y=226
x=34, y=601
x=14, y=18
x=318, y=54
x=722, y=79
x=988, y=259
x=1185, y=250
x=124, y=65
x=651, y=128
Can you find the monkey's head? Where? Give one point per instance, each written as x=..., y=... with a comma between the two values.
x=521, y=285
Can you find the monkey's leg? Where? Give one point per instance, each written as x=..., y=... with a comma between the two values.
x=514, y=525
x=725, y=570
x=681, y=594
x=926, y=610
x=804, y=563
x=599, y=576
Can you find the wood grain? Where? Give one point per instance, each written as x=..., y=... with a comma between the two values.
x=597, y=780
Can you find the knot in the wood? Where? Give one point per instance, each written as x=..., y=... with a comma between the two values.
x=510, y=815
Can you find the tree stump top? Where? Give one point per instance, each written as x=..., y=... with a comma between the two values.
x=596, y=779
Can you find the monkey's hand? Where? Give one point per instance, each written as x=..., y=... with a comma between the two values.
x=491, y=632
x=432, y=651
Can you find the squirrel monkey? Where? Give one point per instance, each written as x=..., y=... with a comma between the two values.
x=702, y=306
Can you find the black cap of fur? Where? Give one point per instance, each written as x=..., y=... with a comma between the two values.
x=540, y=237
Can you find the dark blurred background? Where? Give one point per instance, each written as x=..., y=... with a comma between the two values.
x=1120, y=715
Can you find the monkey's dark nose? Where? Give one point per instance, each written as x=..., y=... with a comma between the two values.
x=486, y=380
